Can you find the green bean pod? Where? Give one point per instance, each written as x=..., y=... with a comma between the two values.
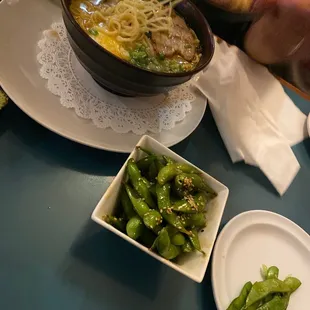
x=279, y=301
x=134, y=227
x=197, y=220
x=261, y=290
x=169, y=160
x=160, y=163
x=239, y=302
x=146, y=182
x=178, y=239
x=171, y=230
x=170, y=171
x=293, y=283
x=276, y=302
x=194, y=239
x=272, y=272
x=118, y=223
x=152, y=190
x=163, y=241
x=144, y=150
x=193, y=182
x=186, y=205
x=144, y=192
x=153, y=171
x=253, y=307
x=187, y=247
x=167, y=173
x=139, y=205
x=172, y=252
x=163, y=201
x=152, y=220
x=187, y=168
x=140, y=184
x=133, y=170
x=191, y=204
x=164, y=246
x=126, y=204
x=144, y=163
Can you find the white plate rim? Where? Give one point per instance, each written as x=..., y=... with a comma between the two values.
x=105, y=139
x=95, y=145
x=286, y=223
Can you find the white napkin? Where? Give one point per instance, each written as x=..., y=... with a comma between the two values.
x=256, y=119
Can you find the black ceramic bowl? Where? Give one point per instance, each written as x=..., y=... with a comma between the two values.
x=123, y=78
x=230, y=26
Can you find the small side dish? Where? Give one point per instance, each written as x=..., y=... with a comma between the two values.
x=158, y=216
x=269, y=294
x=162, y=205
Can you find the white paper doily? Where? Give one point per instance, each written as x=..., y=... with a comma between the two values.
x=76, y=88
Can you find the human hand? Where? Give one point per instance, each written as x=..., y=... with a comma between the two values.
x=282, y=33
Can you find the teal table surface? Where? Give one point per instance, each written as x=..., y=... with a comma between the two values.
x=52, y=256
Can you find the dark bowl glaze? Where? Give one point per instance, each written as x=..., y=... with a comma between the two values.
x=230, y=26
x=215, y=12
x=123, y=78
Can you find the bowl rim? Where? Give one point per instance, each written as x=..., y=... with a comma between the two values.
x=227, y=16
x=197, y=69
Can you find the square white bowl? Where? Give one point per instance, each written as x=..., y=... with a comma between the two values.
x=192, y=265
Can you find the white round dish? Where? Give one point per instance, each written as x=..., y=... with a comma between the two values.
x=252, y=239
x=19, y=77
x=308, y=124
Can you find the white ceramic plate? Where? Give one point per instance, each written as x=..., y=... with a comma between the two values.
x=21, y=27
x=255, y=238
x=308, y=124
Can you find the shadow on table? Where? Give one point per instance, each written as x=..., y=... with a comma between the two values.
x=109, y=255
x=54, y=149
x=4, y=119
x=206, y=290
x=306, y=144
x=256, y=175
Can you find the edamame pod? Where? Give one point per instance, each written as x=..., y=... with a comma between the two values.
x=193, y=182
x=178, y=239
x=139, y=184
x=187, y=247
x=134, y=227
x=194, y=239
x=239, y=302
x=118, y=223
x=152, y=220
x=261, y=290
x=138, y=203
x=126, y=204
x=197, y=220
x=163, y=201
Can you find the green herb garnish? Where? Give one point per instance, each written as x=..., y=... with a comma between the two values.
x=161, y=56
x=139, y=56
x=93, y=31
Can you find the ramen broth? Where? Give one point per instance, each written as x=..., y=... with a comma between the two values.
x=145, y=33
